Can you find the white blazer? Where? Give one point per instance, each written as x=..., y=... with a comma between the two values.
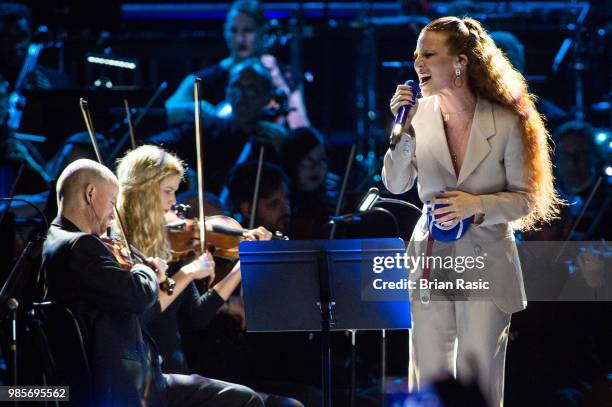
x=492, y=168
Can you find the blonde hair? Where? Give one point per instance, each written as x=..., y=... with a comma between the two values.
x=492, y=76
x=140, y=174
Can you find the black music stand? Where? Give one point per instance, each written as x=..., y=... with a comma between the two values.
x=322, y=285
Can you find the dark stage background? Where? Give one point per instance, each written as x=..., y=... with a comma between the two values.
x=348, y=51
x=350, y=57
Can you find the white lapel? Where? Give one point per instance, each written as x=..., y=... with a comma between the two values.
x=435, y=136
x=483, y=127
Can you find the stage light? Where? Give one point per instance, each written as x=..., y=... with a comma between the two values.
x=372, y=197
x=369, y=200
x=609, y=171
x=98, y=83
x=601, y=137
x=111, y=61
x=225, y=111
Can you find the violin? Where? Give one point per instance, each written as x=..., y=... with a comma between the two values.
x=123, y=253
x=223, y=234
x=127, y=256
x=218, y=234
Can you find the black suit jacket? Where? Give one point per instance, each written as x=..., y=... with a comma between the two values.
x=109, y=302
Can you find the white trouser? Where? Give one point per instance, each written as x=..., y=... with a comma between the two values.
x=480, y=329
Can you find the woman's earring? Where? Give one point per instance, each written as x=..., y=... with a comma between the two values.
x=458, y=80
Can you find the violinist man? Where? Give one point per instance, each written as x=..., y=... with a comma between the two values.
x=111, y=303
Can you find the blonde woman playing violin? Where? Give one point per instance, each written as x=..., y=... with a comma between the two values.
x=149, y=178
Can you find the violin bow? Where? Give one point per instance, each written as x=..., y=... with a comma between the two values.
x=128, y=117
x=347, y=172
x=256, y=190
x=92, y=135
x=90, y=129
x=198, y=135
x=141, y=114
x=255, y=199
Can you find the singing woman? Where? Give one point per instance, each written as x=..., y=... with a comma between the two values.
x=479, y=151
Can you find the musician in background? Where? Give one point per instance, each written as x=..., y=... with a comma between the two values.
x=313, y=188
x=273, y=206
x=586, y=293
x=14, y=154
x=15, y=38
x=586, y=297
x=270, y=362
x=579, y=165
x=515, y=51
x=577, y=285
x=234, y=139
x=245, y=34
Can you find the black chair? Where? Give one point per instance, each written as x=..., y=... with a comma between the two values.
x=62, y=349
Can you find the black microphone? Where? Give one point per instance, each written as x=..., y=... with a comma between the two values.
x=403, y=113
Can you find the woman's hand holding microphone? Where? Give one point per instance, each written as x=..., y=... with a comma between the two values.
x=403, y=106
x=403, y=96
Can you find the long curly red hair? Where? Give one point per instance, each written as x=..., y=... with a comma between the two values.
x=491, y=75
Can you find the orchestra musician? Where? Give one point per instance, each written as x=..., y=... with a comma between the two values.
x=225, y=139
x=109, y=301
x=149, y=178
x=273, y=205
x=245, y=33
x=20, y=71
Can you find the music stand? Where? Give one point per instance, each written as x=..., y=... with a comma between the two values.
x=322, y=285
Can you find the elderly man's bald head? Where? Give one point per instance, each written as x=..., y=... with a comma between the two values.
x=80, y=173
